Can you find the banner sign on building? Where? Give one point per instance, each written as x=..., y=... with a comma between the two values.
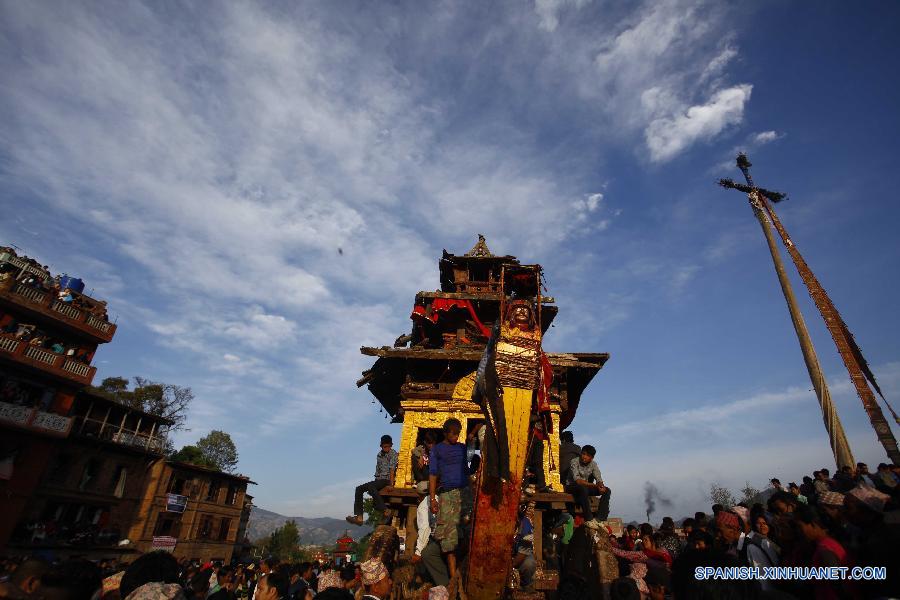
x=165, y=543
x=176, y=503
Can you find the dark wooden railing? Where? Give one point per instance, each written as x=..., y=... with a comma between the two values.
x=47, y=304
x=57, y=364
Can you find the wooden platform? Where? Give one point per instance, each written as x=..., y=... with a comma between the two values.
x=397, y=498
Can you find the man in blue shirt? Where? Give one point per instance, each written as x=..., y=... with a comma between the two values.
x=448, y=476
x=385, y=469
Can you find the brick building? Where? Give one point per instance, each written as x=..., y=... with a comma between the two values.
x=90, y=490
x=49, y=332
x=193, y=511
x=80, y=472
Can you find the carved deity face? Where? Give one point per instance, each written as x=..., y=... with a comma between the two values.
x=521, y=315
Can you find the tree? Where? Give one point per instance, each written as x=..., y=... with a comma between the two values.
x=219, y=450
x=114, y=385
x=373, y=515
x=283, y=543
x=164, y=399
x=194, y=455
x=721, y=495
x=749, y=494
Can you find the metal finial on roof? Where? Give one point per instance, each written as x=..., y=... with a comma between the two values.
x=480, y=249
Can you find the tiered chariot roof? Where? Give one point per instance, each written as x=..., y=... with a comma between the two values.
x=449, y=333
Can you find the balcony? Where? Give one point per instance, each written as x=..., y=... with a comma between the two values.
x=46, y=305
x=35, y=419
x=109, y=432
x=58, y=365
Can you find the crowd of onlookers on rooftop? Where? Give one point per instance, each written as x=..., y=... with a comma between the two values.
x=44, y=282
x=10, y=327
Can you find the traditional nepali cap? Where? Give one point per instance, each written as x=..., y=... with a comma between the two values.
x=330, y=579
x=438, y=592
x=727, y=518
x=831, y=498
x=373, y=571
x=743, y=512
x=112, y=583
x=157, y=590
x=870, y=497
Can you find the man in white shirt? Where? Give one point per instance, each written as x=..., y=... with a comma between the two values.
x=428, y=551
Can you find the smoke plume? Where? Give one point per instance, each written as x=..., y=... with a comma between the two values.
x=652, y=495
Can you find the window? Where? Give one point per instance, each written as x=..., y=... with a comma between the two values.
x=232, y=494
x=224, y=526
x=167, y=524
x=59, y=472
x=213, y=494
x=118, y=481
x=204, y=530
x=89, y=475
x=177, y=484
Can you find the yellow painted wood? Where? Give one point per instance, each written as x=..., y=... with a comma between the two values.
x=517, y=408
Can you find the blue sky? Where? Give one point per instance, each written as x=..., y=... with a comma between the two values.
x=200, y=166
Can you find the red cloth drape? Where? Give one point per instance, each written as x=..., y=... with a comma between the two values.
x=439, y=305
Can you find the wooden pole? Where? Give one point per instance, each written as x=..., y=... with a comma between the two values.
x=836, y=436
x=853, y=360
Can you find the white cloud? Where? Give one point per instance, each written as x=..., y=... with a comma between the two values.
x=752, y=142
x=548, y=11
x=764, y=137
x=666, y=137
x=718, y=63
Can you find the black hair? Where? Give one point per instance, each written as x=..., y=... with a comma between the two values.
x=807, y=514
x=567, y=436
x=699, y=535
x=786, y=497
x=646, y=529
x=304, y=567
x=199, y=583
x=348, y=572
x=452, y=424
x=280, y=581
x=78, y=576
x=624, y=588
x=386, y=439
x=572, y=587
x=689, y=522
x=428, y=438
x=700, y=516
x=807, y=479
x=153, y=566
x=717, y=508
x=658, y=576
x=589, y=450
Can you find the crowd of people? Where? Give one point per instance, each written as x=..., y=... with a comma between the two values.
x=844, y=521
x=12, y=328
x=160, y=576
x=38, y=277
x=835, y=521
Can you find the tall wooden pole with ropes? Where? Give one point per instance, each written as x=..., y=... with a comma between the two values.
x=847, y=348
